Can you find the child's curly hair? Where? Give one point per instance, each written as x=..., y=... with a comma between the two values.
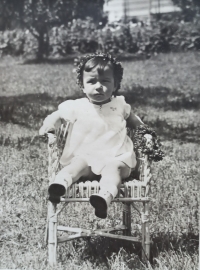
x=117, y=67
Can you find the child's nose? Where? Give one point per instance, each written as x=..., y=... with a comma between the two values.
x=98, y=86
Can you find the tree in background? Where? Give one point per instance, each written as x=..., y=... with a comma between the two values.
x=38, y=16
x=89, y=8
x=5, y=15
x=190, y=8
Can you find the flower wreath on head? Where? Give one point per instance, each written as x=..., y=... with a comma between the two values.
x=80, y=63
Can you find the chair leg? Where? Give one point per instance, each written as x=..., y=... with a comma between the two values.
x=52, y=233
x=145, y=233
x=127, y=218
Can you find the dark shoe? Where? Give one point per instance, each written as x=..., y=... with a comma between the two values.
x=54, y=199
x=100, y=202
x=56, y=190
x=59, y=186
x=100, y=205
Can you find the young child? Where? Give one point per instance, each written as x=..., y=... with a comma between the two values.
x=99, y=144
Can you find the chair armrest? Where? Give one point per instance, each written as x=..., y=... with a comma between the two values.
x=147, y=149
x=56, y=143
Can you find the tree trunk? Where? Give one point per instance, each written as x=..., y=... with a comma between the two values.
x=41, y=47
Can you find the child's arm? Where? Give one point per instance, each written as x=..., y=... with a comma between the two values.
x=133, y=121
x=66, y=111
x=49, y=123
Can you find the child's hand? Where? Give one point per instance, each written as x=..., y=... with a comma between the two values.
x=45, y=129
x=49, y=123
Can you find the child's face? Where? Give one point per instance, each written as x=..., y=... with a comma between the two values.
x=99, y=86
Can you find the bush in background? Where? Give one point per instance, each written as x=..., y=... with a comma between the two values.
x=190, y=8
x=83, y=36
x=12, y=42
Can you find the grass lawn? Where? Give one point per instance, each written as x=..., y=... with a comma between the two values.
x=165, y=92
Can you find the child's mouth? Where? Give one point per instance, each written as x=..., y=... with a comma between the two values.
x=99, y=94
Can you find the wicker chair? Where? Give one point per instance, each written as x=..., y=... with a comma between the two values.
x=131, y=191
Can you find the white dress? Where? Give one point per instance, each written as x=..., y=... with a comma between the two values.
x=99, y=133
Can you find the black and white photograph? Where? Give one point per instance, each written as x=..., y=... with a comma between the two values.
x=99, y=134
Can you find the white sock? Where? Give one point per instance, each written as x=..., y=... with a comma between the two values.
x=62, y=177
x=112, y=189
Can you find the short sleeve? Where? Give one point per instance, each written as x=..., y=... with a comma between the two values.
x=125, y=107
x=67, y=111
x=127, y=110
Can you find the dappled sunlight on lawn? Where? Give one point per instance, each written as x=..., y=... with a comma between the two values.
x=164, y=92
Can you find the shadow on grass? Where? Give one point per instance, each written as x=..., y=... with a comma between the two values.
x=39, y=105
x=161, y=97
x=70, y=59
x=31, y=109
x=99, y=250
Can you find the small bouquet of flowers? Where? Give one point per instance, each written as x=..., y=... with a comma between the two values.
x=146, y=140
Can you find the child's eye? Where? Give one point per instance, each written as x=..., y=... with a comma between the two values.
x=91, y=81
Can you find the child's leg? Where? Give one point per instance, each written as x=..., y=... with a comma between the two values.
x=112, y=175
x=67, y=176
